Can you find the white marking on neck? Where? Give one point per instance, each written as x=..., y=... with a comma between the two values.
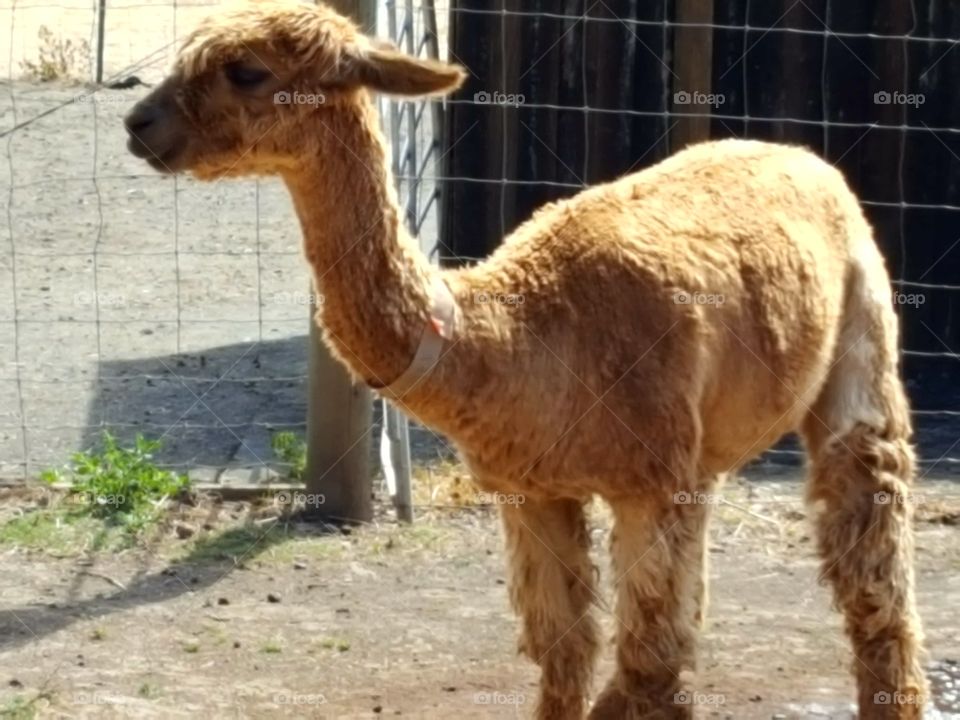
x=439, y=329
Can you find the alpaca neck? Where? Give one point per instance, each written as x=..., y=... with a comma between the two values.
x=371, y=277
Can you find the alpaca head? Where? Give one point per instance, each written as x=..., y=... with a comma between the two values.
x=251, y=87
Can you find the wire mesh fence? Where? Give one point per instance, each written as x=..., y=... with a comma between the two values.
x=138, y=303
x=135, y=303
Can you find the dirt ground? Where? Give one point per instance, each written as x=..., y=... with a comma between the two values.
x=252, y=616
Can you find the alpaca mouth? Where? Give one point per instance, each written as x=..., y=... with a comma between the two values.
x=166, y=162
x=163, y=161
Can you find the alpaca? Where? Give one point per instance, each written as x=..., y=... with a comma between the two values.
x=633, y=342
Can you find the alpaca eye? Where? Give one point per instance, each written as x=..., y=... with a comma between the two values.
x=245, y=77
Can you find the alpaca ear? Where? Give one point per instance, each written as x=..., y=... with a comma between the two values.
x=381, y=67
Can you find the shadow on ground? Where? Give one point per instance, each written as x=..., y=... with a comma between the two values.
x=219, y=408
x=209, y=561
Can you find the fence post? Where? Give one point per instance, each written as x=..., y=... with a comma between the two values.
x=693, y=68
x=363, y=12
x=339, y=413
x=101, y=26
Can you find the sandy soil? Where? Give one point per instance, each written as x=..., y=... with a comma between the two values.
x=241, y=621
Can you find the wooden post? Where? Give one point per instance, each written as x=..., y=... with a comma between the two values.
x=363, y=12
x=339, y=413
x=693, y=72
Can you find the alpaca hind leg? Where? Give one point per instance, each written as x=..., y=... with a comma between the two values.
x=551, y=588
x=860, y=486
x=657, y=550
x=858, y=434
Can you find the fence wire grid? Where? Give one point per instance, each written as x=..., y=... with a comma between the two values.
x=135, y=303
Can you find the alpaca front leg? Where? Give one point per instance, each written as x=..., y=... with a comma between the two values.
x=860, y=485
x=702, y=579
x=657, y=550
x=551, y=588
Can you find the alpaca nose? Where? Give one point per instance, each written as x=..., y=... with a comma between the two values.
x=140, y=119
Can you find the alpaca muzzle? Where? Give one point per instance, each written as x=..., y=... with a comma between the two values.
x=151, y=133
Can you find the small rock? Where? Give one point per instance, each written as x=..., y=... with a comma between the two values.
x=236, y=643
x=14, y=683
x=378, y=709
x=756, y=698
x=342, y=611
x=184, y=530
x=273, y=597
x=449, y=688
x=299, y=565
x=222, y=601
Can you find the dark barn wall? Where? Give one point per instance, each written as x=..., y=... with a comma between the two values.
x=909, y=179
x=557, y=62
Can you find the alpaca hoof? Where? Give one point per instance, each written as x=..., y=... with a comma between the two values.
x=614, y=704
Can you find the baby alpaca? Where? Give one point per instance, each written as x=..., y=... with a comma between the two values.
x=632, y=342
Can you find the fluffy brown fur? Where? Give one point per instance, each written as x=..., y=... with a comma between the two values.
x=577, y=368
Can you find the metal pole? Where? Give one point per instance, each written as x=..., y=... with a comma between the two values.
x=101, y=28
x=339, y=413
x=398, y=429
